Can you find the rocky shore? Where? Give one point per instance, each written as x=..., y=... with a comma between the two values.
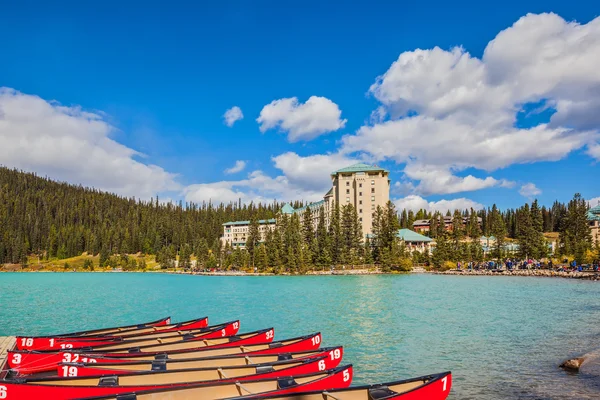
x=585, y=275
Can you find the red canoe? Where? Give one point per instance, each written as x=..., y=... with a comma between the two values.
x=114, y=343
x=106, y=331
x=25, y=363
x=63, y=341
x=335, y=354
x=326, y=380
x=430, y=387
x=235, y=373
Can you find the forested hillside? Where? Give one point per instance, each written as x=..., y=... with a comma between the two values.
x=56, y=220
x=40, y=216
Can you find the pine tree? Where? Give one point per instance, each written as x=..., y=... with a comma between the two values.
x=497, y=229
x=253, y=239
x=335, y=242
x=261, y=260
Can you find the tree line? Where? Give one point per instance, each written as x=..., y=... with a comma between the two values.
x=51, y=219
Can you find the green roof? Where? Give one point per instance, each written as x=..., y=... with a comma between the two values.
x=287, y=209
x=594, y=213
x=411, y=236
x=260, y=221
x=329, y=193
x=312, y=206
x=360, y=167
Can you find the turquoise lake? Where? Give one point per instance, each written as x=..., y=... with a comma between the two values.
x=502, y=337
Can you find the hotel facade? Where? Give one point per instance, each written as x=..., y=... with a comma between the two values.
x=363, y=186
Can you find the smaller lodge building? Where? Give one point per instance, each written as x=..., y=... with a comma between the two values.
x=422, y=225
x=594, y=220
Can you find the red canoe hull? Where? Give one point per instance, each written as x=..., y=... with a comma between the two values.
x=18, y=391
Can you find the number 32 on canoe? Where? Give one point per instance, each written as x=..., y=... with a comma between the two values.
x=269, y=335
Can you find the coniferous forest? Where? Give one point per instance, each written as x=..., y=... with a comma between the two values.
x=55, y=220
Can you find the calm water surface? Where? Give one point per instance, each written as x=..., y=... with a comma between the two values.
x=502, y=337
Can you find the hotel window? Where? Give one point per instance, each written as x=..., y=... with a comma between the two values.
x=372, y=206
x=372, y=190
x=360, y=211
x=360, y=202
x=347, y=191
x=347, y=183
x=360, y=185
x=372, y=198
x=360, y=219
x=347, y=199
x=360, y=193
x=372, y=181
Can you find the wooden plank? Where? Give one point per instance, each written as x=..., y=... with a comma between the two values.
x=6, y=343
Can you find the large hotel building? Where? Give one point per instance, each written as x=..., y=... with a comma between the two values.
x=364, y=186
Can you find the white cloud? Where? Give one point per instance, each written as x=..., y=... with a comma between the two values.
x=238, y=167
x=594, y=151
x=435, y=180
x=69, y=144
x=303, y=178
x=415, y=203
x=311, y=172
x=451, y=111
x=529, y=190
x=232, y=115
x=302, y=121
x=257, y=187
x=594, y=202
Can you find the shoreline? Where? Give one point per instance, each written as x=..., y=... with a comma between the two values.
x=540, y=273
x=585, y=275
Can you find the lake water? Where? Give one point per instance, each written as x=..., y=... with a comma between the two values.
x=502, y=337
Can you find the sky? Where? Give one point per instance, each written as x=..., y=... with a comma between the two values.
x=467, y=104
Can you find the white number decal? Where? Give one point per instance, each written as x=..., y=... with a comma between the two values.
x=316, y=340
x=445, y=381
x=346, y=375
x=3, y=392
x=66, y=346
x=322, y=365
x=51, y=342
x=69, y=371
x=335, y=354
x=222, y=332
x=27, y=342
x=69, y=357
x=88, y=360
x=236, y=325
x=270, y=334
x=16, y=358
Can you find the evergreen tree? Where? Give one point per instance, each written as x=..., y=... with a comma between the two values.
x=335, y=236
x=498, y=230
x=253, y=239
x=261, y=259
x=575, y=234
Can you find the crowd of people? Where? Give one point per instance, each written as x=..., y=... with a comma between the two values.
x=510, y=264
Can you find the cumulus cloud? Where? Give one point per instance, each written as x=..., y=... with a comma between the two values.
x=450, y=111
x=594, y=202
x=311, y=172
x=302, y=121
x=238, y=167
x=70, y=144
x=302, y=178
x=529, y=190
x=416, y=203
x=256, y=187
x=232, y=115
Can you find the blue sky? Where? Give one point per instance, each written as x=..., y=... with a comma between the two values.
x=131, y=97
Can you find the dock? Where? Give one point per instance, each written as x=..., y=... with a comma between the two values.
x=6, y=343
